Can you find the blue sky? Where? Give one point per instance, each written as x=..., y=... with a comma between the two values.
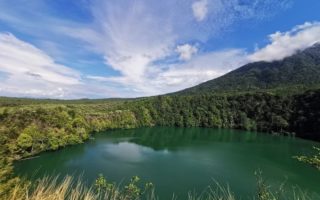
x=131, y=48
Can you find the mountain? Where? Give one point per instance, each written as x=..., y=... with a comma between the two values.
x=299, y=70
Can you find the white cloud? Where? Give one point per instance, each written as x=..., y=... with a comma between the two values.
x=283, y=44
x=131, y=40
x=23, y=59
x=200, y=9
x=27, y=71
x=135, y=38
x=199, y=69
x=186, y=51
x=179, y=76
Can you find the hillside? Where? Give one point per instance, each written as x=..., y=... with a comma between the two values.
x=301, y=70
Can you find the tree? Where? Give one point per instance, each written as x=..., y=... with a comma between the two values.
x=279, y=123
x=24, y=141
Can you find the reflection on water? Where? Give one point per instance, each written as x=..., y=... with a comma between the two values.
x=127, y=152
x=181, y=159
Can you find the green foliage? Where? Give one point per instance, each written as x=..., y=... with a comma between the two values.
x=25, y=141
x=312, y=160
x=102, y=186
x=130, y=191
x=260, y=111
x=263, y=190
x=53, y=142
x=79, y=122
x=267, y=192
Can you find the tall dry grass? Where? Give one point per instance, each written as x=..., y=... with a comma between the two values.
x=70, y=189
x=50, y=189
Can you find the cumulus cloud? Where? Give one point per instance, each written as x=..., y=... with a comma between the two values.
x=283, y=44
x=200, y=9
x=186, y=51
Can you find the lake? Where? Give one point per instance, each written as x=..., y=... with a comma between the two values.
x=178, y=160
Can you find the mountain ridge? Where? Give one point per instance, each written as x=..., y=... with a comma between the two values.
x=299, y=70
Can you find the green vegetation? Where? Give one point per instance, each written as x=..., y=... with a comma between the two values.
x=297, y=114
x=312, y=160
x=28, y=131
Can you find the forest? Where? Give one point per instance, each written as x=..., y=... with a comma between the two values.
x=296, y=114
x=28, y=127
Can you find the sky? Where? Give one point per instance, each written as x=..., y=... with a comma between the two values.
x=71, y=49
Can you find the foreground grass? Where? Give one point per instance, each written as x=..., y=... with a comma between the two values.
x=70, y=189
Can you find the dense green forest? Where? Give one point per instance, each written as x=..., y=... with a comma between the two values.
x=279, y=114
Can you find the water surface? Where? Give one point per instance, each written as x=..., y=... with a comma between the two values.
x=178, y=160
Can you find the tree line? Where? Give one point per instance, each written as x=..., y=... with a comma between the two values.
x=297, y=114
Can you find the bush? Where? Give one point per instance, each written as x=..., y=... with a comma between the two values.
x=25, y=141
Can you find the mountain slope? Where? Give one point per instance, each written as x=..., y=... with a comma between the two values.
x=301, y=69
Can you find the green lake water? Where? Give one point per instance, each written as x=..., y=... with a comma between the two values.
x=178, y=160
